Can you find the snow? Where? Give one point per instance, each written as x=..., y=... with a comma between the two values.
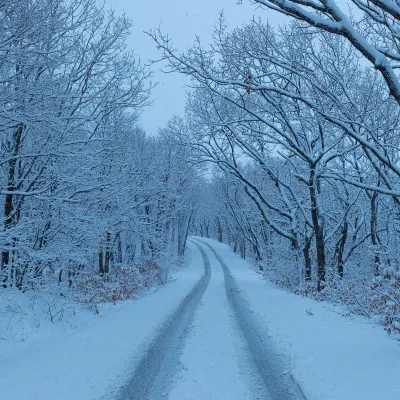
x=211, y=363
x=96, y=357
x=332, y=357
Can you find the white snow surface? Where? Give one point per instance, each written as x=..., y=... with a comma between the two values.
x=330, y=356
x=97, y=357
x=212, y=360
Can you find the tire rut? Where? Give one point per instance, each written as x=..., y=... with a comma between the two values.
x=270, y=366
x=154, y=374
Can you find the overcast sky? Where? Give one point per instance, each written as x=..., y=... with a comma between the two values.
x=182, y=20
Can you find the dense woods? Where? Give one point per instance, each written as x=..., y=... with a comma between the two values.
x=303, y=137
x=85, y=193
x=288, y=151
x=197, y=203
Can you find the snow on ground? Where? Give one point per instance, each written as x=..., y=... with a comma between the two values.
x=97, y=356
x=211, y=363
x=331, y=357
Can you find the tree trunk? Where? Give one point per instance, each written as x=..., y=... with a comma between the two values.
x=340, y=248
x=307, y=258
x=374, y=235
x=119, y=249
x=8, y=201
x=108, y=255
x=101, y=264
x=318, y=229
x=219, y=227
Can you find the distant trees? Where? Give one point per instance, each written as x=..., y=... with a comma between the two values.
x=289, y=152
x=305, y=137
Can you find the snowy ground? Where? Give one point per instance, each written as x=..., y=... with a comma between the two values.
x=96, y=357
x=211, y=363
x=331, y=357
x=235, y=336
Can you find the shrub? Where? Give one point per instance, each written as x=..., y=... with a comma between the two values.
x=386, y=298
x=122, y=283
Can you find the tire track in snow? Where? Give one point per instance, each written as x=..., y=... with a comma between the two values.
x=215, y=361
x=278, y=384
x=155, y=372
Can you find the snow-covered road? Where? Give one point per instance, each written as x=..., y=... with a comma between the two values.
x=212, y=350
x=154, y=373
x=218, y=331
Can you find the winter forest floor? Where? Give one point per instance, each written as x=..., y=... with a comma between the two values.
x=219, y=330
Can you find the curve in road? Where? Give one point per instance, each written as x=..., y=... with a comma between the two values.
x=273, y=375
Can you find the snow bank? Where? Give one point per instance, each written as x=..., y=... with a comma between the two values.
x=332, y=357
x=91, y=356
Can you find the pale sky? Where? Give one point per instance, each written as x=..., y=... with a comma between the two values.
x=182, y=20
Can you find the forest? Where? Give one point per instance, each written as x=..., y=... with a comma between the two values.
x=288, y=151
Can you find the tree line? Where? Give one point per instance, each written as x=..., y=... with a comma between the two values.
x=288, y=151
x=301, y=126
x=83, y=190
